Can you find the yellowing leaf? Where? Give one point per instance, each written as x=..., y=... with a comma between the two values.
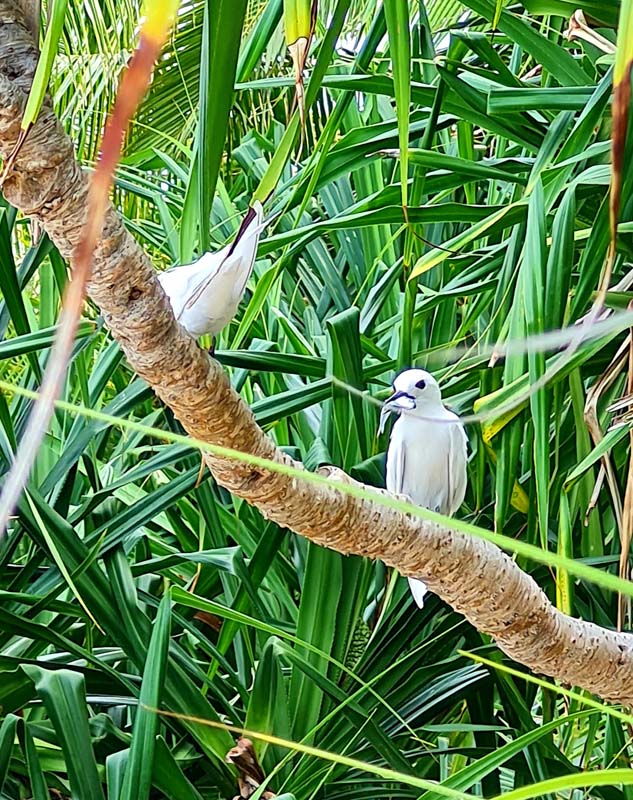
x=490, y=428
x=159, y=17
x=438, y=255
x=299, y=22
x=519, y=498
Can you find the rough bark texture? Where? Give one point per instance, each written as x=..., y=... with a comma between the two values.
x=473, y=576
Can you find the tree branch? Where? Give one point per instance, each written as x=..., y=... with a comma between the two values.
x=32, y=9
x=472, y=575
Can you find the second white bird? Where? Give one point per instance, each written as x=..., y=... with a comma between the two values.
x=427, y=454
x=205, y=295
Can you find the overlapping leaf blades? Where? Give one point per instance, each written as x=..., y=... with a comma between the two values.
x=517, y=199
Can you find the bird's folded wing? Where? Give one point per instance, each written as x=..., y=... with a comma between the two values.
x=238, y=256
x=251, y=225
x=456, y=467
x=395, y=468
x=216, y=261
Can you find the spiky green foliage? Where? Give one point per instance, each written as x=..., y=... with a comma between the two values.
x=508, y=171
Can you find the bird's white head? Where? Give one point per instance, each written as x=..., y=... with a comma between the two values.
x=413, y=390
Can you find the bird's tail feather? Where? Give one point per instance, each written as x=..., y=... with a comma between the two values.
x=250, y=227
x=418, y=590
x=255, y=214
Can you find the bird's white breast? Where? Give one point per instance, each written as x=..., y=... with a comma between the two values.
x=426, y=460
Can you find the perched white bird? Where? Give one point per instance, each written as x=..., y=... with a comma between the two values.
x=205, y=295
x=427, y=454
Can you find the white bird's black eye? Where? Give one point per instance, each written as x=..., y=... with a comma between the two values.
x=421, y=384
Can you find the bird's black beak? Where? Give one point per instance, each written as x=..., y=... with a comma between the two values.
x=399, y=401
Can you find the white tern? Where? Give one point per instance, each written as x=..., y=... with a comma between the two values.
x=427, y=454
x=205, y=295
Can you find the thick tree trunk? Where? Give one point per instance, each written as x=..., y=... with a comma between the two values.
x=31, y=9
x=474, y=576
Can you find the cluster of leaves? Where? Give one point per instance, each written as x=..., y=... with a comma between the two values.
x=126, y=587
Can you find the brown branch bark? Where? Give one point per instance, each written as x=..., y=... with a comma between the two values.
x=32, y=9
x=473, y=576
